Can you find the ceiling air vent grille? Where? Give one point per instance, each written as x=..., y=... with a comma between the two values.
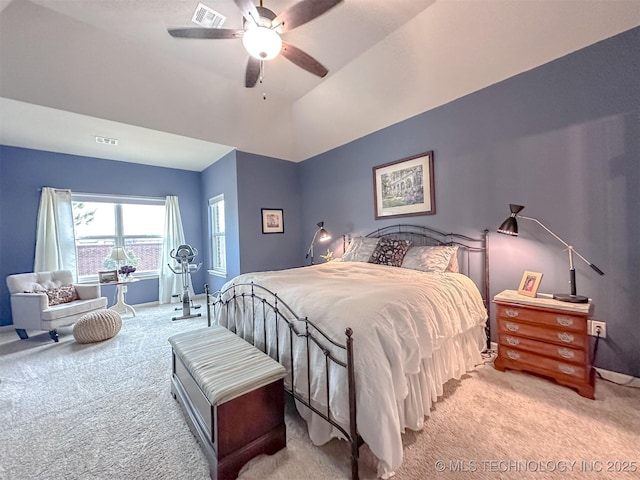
x=206, y=17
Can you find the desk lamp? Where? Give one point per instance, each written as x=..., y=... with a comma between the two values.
x=321, y=235
x=510, y=227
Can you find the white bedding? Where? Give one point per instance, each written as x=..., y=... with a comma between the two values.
x=413, y=331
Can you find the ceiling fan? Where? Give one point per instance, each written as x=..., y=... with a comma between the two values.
x=261, y=34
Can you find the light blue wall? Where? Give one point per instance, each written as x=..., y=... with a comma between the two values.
x=221, y=179
x=563, y=140
x=24, y=172
x=265, y=182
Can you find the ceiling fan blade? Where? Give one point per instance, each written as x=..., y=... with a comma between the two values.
x=303, y=60
x=249, y=10
x=205, y=33
x=253, y=73
x=302, y=12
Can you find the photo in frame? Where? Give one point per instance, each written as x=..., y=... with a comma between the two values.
x=405, y=187
x=272, y=220
x=529, y=284
x=108, y=276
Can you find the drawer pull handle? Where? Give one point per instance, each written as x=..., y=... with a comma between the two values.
x=568, y=369
x=564, y=321
x=566, y=353
x=565, y=337
x=513, y=327
x=513, y=341
x=509, y=312
x=513, y=355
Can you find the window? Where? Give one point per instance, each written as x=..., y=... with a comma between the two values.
x=218, y=246
x=105, y=221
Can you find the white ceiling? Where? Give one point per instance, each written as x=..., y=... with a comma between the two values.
x=74, y=69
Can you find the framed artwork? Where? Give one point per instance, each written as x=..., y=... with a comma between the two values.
x=108, y=276
x=272, y=220
x=529, y=284
x=405, y=187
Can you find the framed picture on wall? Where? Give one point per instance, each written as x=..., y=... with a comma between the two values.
x=529, y=284
x=405, y=187
x=272, y=220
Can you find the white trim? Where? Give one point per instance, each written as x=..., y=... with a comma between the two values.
x=620, y=378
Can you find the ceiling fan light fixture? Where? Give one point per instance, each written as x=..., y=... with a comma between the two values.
x=262, y=42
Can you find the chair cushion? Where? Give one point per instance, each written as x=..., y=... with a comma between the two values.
x=97, y=326
x=63, y=294
x=73, y=308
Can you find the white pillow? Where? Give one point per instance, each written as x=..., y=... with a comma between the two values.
x=430, y=259
x=360, y=249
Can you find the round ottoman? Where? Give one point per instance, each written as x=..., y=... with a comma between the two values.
x=97, y=326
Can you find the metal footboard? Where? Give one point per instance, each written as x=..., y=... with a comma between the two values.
x=272, y=318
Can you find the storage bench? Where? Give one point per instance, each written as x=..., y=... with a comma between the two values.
x=232, y=395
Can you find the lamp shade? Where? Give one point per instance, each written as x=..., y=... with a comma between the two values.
x=262, y=42
x=118, y=254
x=323, y=235
x=510, y=225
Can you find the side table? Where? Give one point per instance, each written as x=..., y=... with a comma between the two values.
x=547, y=337
x=120, y=306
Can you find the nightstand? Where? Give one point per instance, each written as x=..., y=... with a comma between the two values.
x=547, y=337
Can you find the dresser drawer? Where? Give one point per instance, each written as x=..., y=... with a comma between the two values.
x=561, y=337
x=555, y=368
x=559, y=352
x=565, y=321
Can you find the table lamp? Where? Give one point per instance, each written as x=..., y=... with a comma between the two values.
x=510, y=227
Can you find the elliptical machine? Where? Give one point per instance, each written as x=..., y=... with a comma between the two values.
x=185, y=254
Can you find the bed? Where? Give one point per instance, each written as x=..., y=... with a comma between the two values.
x=368, y=346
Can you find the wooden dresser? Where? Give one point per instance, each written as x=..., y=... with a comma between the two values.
x=546, y=337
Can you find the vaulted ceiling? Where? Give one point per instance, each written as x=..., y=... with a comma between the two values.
x=71, y=70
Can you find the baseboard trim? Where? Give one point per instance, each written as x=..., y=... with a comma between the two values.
x=620, y=378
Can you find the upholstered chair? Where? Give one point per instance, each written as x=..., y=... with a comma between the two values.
x=48, y=300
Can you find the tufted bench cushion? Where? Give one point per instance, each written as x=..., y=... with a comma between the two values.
x=97, y=326
x=233, y=397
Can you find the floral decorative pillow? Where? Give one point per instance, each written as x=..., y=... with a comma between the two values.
x=431, y=259
x=63, y=294
x=390, y=252
x=360, y=249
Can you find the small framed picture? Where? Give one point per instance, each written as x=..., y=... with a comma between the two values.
x=108, y=276
x=272, y=220
x=529, y=284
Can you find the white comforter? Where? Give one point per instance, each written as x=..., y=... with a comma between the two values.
x=408, y=326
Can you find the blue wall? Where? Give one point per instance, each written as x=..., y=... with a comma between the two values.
x=563, y=140
x=265, y=182
x=24, y=172
x=221, y=179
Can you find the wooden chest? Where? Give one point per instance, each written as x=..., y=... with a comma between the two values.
x=231, y=431
x=545, y=337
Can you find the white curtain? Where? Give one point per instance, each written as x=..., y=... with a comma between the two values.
x=169, y=283
x=55, y=239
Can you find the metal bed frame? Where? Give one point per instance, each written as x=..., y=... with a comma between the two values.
x=334, y=352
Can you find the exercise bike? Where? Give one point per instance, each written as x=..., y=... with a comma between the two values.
x=184, y=255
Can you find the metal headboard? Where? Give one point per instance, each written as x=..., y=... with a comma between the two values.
x=420, y=235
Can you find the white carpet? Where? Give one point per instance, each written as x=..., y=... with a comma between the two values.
x=104, y=411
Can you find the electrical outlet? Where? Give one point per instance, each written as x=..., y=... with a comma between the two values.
x=124, y=289
x=594, y=324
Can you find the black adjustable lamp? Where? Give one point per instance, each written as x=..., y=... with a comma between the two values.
x=321, y=235
x=510, y=227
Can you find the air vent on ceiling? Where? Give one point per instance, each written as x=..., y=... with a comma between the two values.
x=206, y=17
x=107, y=141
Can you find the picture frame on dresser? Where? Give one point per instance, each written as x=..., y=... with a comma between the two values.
x=529, y=283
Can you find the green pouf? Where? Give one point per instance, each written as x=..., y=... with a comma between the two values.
x=97, y=326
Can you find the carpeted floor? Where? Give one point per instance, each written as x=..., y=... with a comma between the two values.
x=104, y=411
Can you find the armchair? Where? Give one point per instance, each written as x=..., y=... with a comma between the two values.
x=31, y=308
